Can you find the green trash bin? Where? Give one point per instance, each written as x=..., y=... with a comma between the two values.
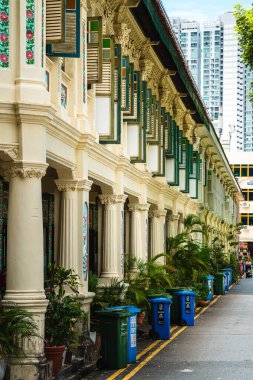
x=114, y=332
x=220, y=279
x=175, y=308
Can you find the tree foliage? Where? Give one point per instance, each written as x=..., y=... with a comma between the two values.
x=244, y=28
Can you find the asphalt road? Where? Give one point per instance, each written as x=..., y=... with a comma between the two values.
x=218, y=347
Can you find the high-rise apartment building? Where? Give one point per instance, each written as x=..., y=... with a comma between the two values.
x=188, y=33
x=224, y=81
x=232, y=83
x=211, y=90
x=247, y=111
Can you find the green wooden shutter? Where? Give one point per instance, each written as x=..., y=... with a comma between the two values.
x=71, y=45
x=149, y=100
x=125, y=68
x=133, y=113
x=94, y=50
x=128, y=90
x=105, y=93
x=194, y=175
x=172, y=156
x=106, y=86
x=108, y=94
x=184, y=163
x=139, y=120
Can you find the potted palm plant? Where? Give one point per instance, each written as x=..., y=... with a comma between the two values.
x=14, y=322
x=63, y=313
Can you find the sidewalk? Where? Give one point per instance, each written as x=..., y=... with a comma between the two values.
x=219, y=346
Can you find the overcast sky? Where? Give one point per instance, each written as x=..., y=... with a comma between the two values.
x=201, y=10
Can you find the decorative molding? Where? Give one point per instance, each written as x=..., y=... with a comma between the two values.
x=25, y=170
x=10, y=150
x=157, y=213
x=108, y=200
x=84, y=4
x=122, y=33
x=66, y=185
x=146, y=67
x=133, y=207
x=73, y=185
x=173, y=218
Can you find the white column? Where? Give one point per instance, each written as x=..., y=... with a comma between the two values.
x=120, y=232
x=68, y=232
x=174, y=224
x=157, y=233
x=181, y=224
x=111, y=236
x=136, y=242
x=83, y=189
x=25, y=277
x=144, y=229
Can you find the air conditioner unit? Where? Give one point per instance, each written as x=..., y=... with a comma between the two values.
x=245, y=227
x=245, y=204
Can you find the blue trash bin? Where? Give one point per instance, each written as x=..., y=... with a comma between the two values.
x=131, y=330
x=187, y=307
x=226, y=272
x=230, y=275
x=209, y=283
x=160, y=318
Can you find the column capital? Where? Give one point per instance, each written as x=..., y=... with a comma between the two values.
x=112, y=199
x=157, y=213
x=138, y=207
x=173, y=218
x=66, y=184
x=73, y=185
x=25, y=170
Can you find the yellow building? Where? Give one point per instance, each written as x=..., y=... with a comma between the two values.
x=242, y=167
x=105, y=145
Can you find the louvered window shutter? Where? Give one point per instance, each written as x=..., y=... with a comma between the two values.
x=149, y=111
x=130, y=90
x=71, y=45
x=94, y=50
x=55, y=21
x=194, y=175
x=135, y=95
x=106, y=85
x=125, y=70
x=108, y=94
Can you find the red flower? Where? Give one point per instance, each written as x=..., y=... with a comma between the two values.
x=3, y=58
x=29, y=14
x=29, y=35
x=3, y=16
x=4, y=37
x=29, y=54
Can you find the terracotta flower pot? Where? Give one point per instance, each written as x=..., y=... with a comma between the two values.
x=55, y=354
x=140, y=317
